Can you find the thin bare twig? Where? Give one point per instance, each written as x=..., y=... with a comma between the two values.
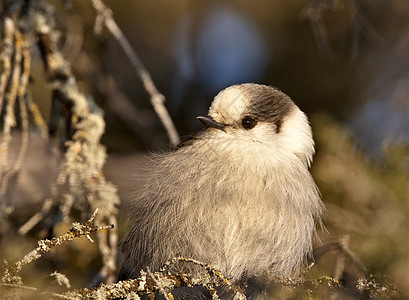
x=157, y=99
x=35, y=219
x=341, y=245
x=340, y=260
x=139, y=121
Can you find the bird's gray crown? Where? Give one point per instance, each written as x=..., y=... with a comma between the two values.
x=260, y=102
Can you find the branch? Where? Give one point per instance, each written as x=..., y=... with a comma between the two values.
x=21, y=92
x=5, y=56
x=157, y=99
x=36, y=218
x=163, y=282
x=159, y=284
x=46, y=245
x=9, y=117
x=314, y=15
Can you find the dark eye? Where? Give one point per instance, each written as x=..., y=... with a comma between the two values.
x=248, y=122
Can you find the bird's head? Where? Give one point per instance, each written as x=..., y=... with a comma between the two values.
x=255, y=115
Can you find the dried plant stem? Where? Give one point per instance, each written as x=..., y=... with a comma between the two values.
x=157, y=99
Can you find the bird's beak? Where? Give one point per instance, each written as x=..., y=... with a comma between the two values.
x=210, y=122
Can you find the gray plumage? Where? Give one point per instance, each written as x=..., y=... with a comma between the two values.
x=238, y=195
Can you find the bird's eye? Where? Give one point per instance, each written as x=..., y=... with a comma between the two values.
x=248, y=123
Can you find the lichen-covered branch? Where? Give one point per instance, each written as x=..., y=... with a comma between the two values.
x=5, y=55
x=9, y=117
x=11, y=281
x=77, y=230
x=80, y=182
x=163, y=282
x=15, y=67
x=166, y=295
x=25, y=61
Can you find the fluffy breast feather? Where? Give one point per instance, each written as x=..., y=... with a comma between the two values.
x=244, y=218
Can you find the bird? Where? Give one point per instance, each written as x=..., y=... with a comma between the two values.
x=237, y=195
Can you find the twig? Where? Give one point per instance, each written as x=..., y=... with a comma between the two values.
x=9, y=118
x=38, y=119
x=33, y=289
x=307, y=269
x=5, y=56
x=149, y=283
x=107, y=245
x=157, y=99
x=137, y=120
x=343, y=247
x=314, y=14
x=111, y=257
x=340, y=260
x=361, y=25
x=300, y=281
x=80, y=171
x=213, y=272
x=35, y=219
x=66, y=205
x=45, y=246
x=158, y=284
x=21, y=95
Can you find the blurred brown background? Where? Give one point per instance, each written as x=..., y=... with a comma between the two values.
x=345, y=58
x=344, y=62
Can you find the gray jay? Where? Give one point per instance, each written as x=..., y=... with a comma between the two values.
x=238, y=195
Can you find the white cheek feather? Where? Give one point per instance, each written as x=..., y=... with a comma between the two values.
x=296, y=136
